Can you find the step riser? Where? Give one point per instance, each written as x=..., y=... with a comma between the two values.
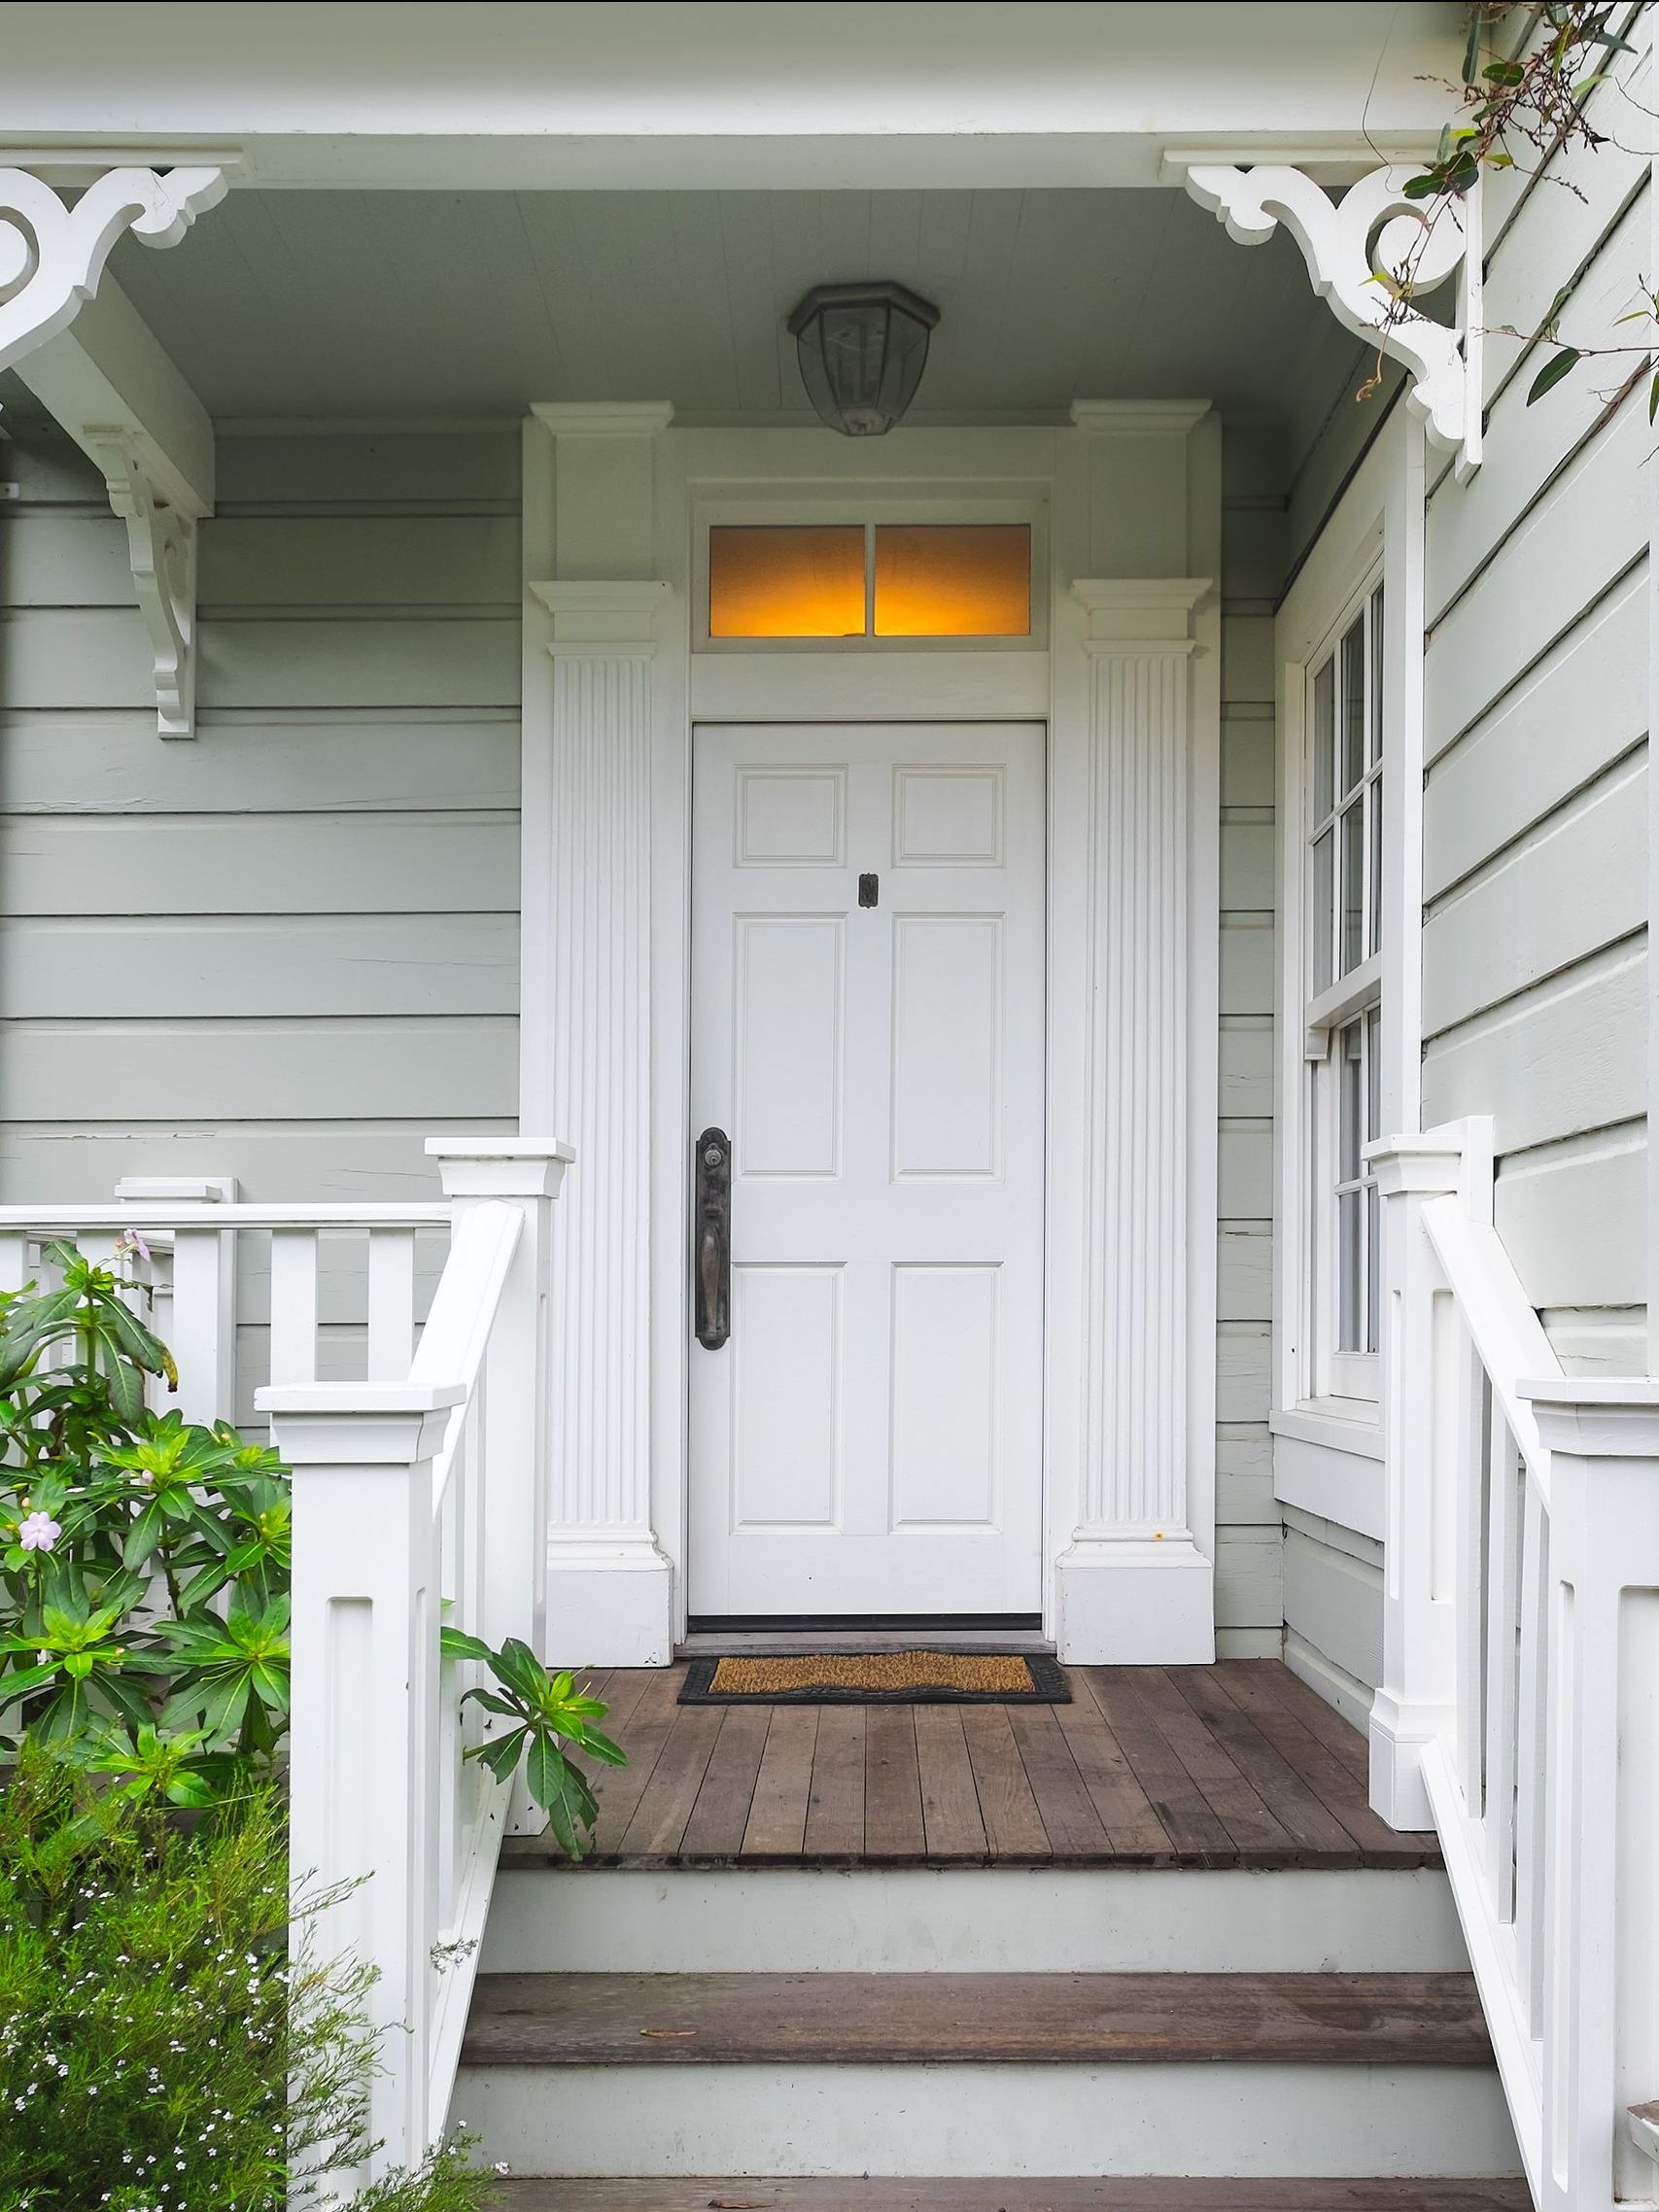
x=983, y=1920
x=973, y=2120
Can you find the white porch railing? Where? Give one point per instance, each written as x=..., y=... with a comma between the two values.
x=419, y=1453
x=1519, y=1710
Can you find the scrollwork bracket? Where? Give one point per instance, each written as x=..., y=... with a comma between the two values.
x=1353, y=248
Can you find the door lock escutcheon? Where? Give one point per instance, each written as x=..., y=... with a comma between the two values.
x=869, y=890
x=713, y=1239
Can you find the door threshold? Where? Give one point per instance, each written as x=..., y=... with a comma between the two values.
x=786, y=1637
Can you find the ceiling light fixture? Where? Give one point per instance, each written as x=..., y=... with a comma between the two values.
x=863, y=349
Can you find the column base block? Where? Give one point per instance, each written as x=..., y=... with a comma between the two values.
x=1400, y=1734
x=610, y=1603
x=1135, y=1602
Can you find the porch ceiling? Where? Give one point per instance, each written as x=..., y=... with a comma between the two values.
x=285, y=304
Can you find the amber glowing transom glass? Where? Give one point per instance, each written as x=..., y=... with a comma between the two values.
x=787, y=581
x=893, y=580
x=952, y=580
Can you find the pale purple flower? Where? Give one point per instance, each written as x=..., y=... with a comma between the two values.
x=38, y=1531
x=130, y=1241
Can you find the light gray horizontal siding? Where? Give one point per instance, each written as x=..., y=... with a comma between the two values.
x=1537, y=691
x=286, y=951
x=1249, y=1607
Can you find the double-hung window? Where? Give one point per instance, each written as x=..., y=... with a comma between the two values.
x=1342, y=943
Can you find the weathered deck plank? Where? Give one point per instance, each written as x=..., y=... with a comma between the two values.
x=1237, y=1764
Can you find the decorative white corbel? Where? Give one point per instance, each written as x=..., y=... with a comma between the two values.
x=51, y=261
x=1352, y=247
x=162, y=546
x=51, y=255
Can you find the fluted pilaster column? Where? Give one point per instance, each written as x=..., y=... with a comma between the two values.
x=609, y=1595
x=1132, y=1583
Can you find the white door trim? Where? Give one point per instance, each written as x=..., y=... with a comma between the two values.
x=1132, y=493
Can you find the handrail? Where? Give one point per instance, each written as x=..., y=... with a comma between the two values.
x=462, y=1315
x=1508, y=1337
x=1519, y=1641
x=232, y=1213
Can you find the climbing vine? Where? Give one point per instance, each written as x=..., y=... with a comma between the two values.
x=1518, y=110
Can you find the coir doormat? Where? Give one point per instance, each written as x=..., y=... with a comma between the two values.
x=878, y=1678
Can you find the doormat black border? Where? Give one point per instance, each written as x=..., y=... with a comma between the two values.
x=1048, y=1685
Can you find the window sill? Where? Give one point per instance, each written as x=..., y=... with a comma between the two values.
x=1334, y=1424
x=1328, y=1462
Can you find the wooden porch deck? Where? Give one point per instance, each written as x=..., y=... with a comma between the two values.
x=1234, y=1765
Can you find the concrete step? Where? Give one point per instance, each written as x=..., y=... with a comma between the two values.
x=1239, y=2075
x=590, y=1920
x=1315, y=2192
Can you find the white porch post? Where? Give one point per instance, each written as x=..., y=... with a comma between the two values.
x=528, y=1172
x=1600, y=1944
x=1132, y=1585
x=588, y=720
x=364, y=1711
x=1415, y=1702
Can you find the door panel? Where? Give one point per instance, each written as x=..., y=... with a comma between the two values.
x=870, y=1438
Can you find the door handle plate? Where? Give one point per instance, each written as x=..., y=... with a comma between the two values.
x=712, y=1242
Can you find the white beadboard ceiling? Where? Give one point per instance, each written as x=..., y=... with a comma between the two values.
x=345, y=303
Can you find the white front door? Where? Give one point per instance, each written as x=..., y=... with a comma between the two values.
x=868, y=1027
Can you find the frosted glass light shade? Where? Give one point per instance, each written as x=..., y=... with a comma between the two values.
x=863, y=349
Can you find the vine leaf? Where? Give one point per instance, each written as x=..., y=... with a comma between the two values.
x=1552, y=372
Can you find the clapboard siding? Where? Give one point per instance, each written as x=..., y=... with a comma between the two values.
x=1249, y=1608
x=1575, y=883
x=425, y=761
x=1537, y=749
x=1571, y=1054
x=1579, y=538
x=103, y=967
x=1537, y=702
x=286, y=951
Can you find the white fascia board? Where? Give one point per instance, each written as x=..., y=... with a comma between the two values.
x=108, y=374
x=863, y=96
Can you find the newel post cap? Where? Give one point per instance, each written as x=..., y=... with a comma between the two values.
x=358, y=1424
x=1596, y=1416
x=501, y=1168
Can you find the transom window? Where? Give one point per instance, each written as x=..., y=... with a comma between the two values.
x=1343, y=1009
x=849, y=580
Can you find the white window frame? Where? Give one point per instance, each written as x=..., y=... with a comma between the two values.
x=1324, y=1416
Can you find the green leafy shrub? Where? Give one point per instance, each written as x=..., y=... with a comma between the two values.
x=156, y=2055
x=143, y=1560
x=143, y=1576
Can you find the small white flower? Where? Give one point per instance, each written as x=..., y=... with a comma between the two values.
x=38, y=1531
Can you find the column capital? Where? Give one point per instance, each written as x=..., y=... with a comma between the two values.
x=602, y=617
x=1139, y=615
x=600, y=418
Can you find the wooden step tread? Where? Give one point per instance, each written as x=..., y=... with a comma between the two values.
x=1117, y=2194
x=724, y=2020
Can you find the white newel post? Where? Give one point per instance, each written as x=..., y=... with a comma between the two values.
x=588, y=755
x=1134, y=1584
x=1423, y=1400
x=528, y=1173
x=364, y=1714
x=1600, y=1946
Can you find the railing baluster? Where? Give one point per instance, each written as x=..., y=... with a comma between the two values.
x=294, y=1305
x=204, y=1322
x=391, y=1303
x=1470, y=1472
x=1504, y=1477
x=14, y=1261
x=1533, y=1714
